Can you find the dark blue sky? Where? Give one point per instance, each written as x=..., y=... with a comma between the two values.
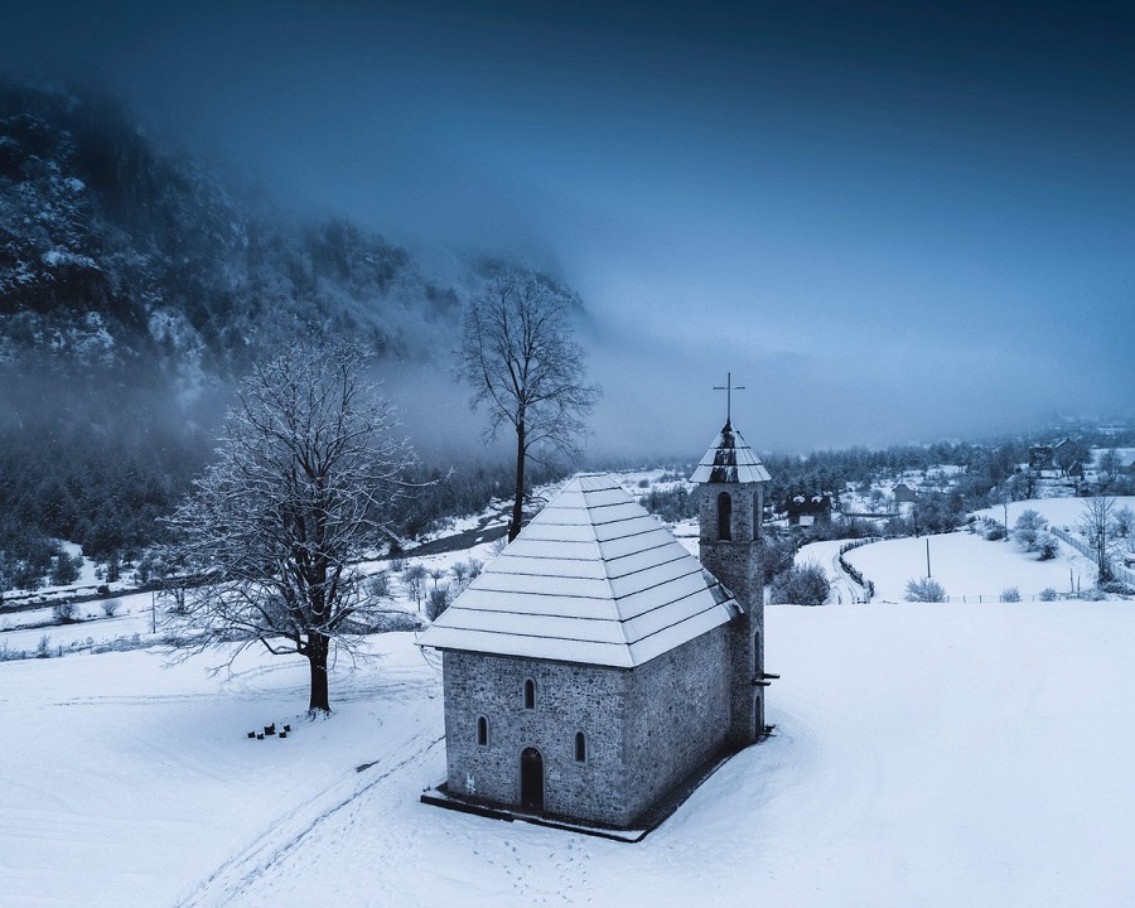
x=891, y=221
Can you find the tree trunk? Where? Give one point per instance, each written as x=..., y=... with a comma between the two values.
x=317, y=649
x=518, y=501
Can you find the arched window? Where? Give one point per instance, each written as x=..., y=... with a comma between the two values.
x=529, y=694
x=482, y=732
x=580, y=747
x=724, y=516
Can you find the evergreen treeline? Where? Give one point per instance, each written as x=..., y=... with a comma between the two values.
x=135, y=286
x=990, y=472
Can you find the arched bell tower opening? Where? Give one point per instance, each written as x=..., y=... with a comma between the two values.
x=731, y=480
x=724, y=517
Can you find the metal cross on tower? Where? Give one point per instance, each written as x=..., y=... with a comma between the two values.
x=729, y=388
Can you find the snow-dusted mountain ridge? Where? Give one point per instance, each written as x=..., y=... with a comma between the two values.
x=135, y=286
x=114, y=250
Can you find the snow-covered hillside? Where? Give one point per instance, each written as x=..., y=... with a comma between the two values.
x=925, y=755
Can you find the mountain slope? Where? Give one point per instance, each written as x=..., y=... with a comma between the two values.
x=135, y=287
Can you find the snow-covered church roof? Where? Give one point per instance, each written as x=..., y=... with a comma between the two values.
x=730, y=459
x=592, y=579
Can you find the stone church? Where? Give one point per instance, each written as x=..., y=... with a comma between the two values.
x=595, y=669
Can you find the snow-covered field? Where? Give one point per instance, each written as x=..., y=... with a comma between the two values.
x=1060, y=512
x=926, y=755
x=968, y=567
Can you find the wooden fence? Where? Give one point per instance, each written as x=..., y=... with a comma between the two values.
x=1118, y=570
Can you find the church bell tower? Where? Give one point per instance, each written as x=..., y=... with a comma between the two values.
x=731, y=504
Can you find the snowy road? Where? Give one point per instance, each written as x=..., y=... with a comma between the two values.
x=826, y=554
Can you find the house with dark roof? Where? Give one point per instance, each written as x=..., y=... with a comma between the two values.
x=809, y=510
x=595, y=669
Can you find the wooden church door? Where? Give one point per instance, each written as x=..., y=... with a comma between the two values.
x=532, y=779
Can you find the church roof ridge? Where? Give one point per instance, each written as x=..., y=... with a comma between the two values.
x=592, y=579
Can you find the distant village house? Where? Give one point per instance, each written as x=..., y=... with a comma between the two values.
x=809, y=510
x=904, y=494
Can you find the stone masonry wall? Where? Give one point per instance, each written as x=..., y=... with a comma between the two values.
x=736, y=563
x=569, y=698
x=647, y=729
x=678, y=716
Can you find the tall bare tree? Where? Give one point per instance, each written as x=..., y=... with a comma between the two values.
x=306, y=473
x=518, y=354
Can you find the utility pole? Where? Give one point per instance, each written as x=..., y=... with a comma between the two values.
x=928, y=574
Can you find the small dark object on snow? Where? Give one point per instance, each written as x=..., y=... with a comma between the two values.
x=283, y=734
x=260, y=737
x=270, y=729
x=287, y=728
x=252, y=734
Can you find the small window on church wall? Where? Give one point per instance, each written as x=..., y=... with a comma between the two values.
x=724, y=516
x=529, y=694
x=482, y=732
x=580, y=747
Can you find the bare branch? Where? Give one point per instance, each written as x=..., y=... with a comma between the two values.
x=518, y=356
x=305, y=477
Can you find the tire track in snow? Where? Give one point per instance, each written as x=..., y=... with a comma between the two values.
x=237, y=874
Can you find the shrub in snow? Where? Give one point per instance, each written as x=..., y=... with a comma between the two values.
x=475, y=565
x=1048, y=594
x=1047, y=547
x=1011, y=594
x=1116, y=588
x=379, y=585
x=110, y=607
x=925, y=590
x=437, y=601
x=10, y=655
x=1123, y=522
x=395, y=620
x=800, y=585
x=777, y=553
x=65, y=612
x=1028, y=530
x=398, y=564
x=43, y=648
x=994, y=532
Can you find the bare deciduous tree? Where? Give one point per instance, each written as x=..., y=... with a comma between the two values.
x=306, y=472
x=1097, y=526
x=518, y=354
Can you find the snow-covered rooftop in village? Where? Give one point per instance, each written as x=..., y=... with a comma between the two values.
x=730, y=459
x=593, y=579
